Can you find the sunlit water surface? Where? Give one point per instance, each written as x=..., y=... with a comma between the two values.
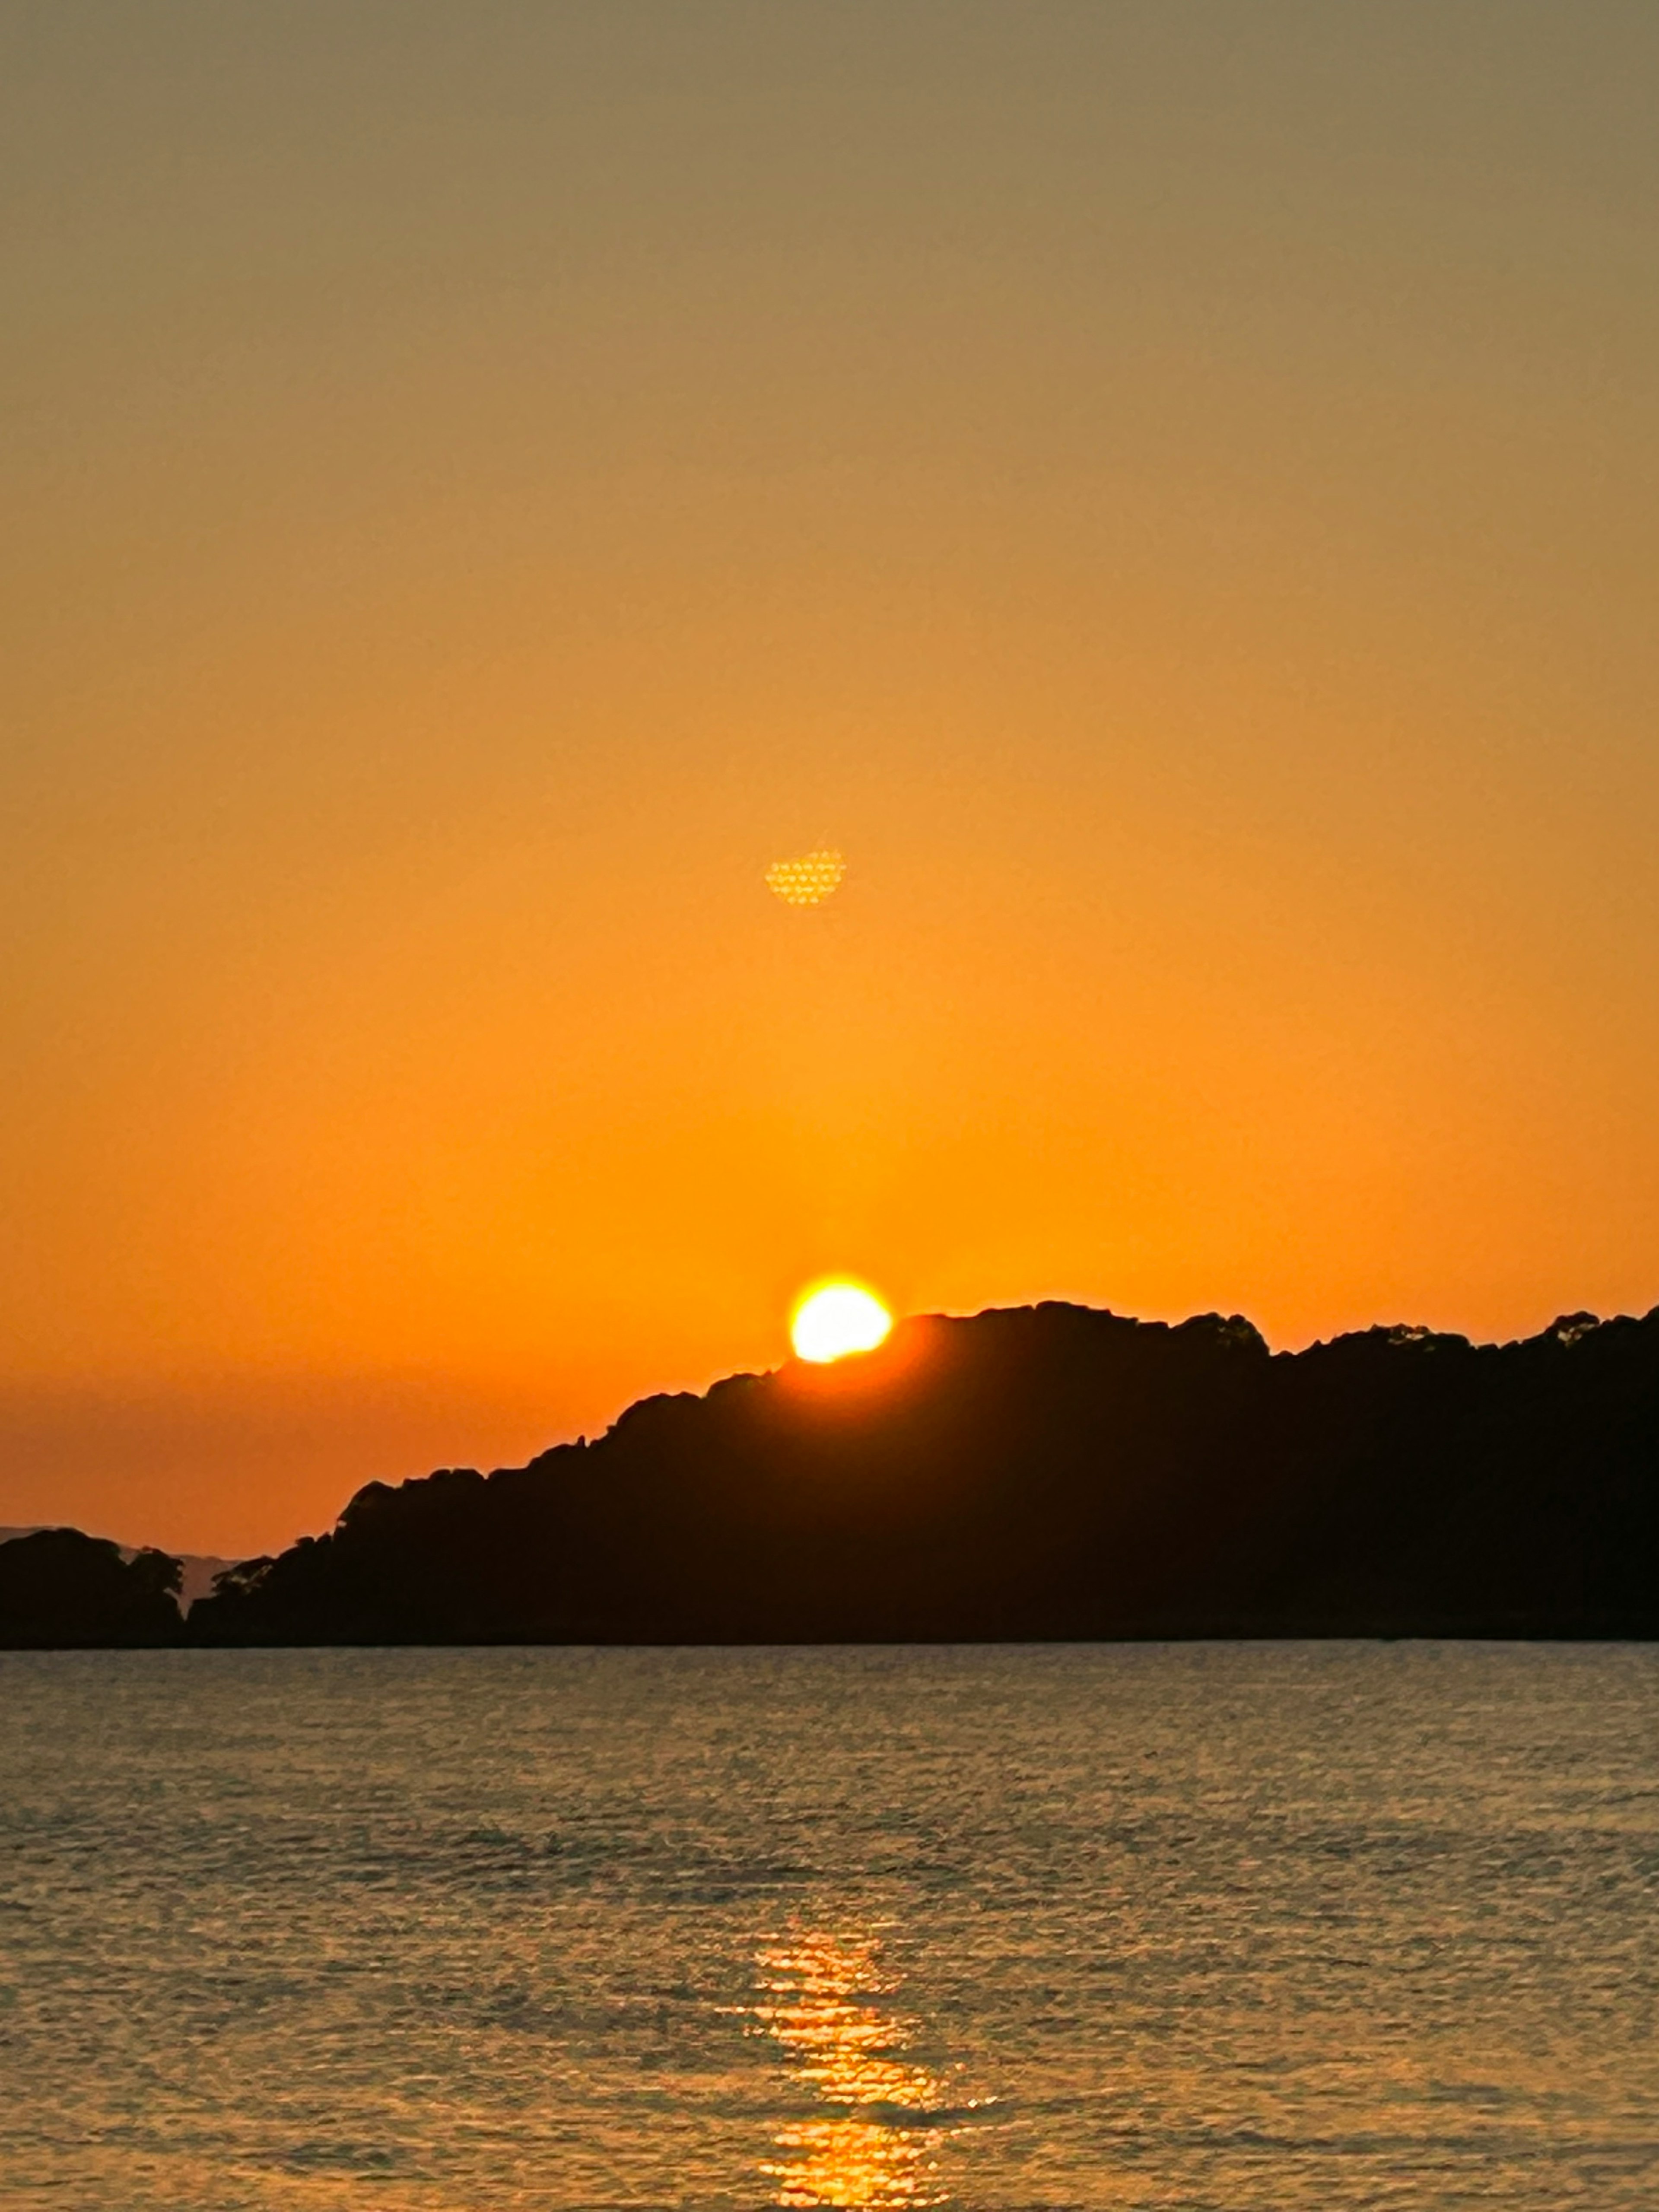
x=1204, y=1926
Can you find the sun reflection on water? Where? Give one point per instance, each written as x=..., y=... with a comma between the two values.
x=874, y=2147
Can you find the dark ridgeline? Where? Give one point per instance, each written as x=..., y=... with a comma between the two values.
x=1046, y=1472
x=60, y=1590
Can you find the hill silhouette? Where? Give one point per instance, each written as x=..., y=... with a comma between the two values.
x=1044, y=1473
x=61, y=1591
x=197, y=1571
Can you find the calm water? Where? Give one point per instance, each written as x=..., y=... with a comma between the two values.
x=1206, y=1926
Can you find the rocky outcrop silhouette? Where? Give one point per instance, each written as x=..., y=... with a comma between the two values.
x=60, y=1590
x=1046, y=1472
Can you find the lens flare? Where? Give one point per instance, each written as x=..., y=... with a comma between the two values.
x=837, y=1318
x=808, y=881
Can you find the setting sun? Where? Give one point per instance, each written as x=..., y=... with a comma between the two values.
x=838, y=1318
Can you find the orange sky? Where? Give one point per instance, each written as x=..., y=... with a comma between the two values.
x=1168, y=491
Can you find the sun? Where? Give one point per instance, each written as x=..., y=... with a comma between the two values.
x=837, y=1318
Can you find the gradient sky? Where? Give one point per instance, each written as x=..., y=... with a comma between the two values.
x=1168, y=490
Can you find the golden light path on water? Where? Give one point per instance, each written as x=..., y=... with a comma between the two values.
x=873, y=2147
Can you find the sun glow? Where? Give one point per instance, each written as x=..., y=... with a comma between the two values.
x=835, y=1319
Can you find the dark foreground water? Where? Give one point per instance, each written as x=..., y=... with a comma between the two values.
x=1281, y=1926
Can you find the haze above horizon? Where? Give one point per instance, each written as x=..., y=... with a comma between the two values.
x=1159, y=503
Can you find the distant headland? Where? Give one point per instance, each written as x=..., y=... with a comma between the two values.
x=1050, y=1473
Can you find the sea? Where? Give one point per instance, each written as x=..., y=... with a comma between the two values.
x=1212, y=1927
